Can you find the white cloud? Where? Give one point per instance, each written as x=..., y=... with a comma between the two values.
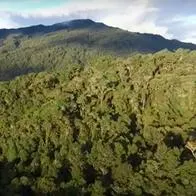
x=191, y=19
x=190, y=37
x=186, y=25
x=4, y=23
x=137, y=17
x=134, y=15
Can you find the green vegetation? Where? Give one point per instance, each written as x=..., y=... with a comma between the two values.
x=98, y=125
x=36, y=55
x=40, y=48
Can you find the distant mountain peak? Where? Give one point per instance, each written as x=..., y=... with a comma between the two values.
x=44, y=29
x=76, y=23
x=100, y=36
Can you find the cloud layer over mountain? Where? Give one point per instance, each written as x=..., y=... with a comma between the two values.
x=174, y=19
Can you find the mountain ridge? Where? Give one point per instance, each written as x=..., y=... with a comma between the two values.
x=39, y=48
x=79, y=24
x=44, y=29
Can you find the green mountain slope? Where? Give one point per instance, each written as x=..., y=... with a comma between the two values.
x=100, y=36
x=112, y=127
x=36, y=48
x=23, y=53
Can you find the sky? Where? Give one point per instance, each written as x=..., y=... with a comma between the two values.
x=173, y=19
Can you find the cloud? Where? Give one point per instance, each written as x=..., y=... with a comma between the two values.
x=6, y=21
x=146, y=16
x=183, y=27
x=138, y=16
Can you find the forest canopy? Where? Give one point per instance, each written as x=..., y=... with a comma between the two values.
x=99, y=125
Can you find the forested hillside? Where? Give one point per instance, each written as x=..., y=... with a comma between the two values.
x=38, y=48
x=92, y=124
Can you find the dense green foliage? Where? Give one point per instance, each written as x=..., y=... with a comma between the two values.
x=38, y=55
x=106, y=126
x=38, y=48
